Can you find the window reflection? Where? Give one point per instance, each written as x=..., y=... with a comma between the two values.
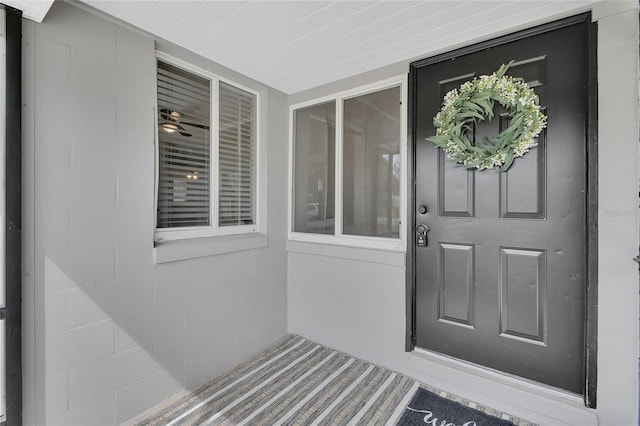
x=371, y=164
x=314, y=169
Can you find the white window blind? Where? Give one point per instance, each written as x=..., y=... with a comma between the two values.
x=236, y=147
x=184, y=115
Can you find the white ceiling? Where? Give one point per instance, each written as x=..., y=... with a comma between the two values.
x=297, y=45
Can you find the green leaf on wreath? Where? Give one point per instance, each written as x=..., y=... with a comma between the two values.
x=468, y=105
x=508, y=162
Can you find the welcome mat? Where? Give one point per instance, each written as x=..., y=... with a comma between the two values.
x=427, y=408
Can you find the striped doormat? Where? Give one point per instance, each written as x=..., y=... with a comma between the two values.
x=294, y=382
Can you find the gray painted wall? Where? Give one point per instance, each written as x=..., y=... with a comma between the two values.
x=358, y=307
x=108, y=332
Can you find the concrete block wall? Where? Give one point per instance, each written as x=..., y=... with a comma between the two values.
x=108, y=332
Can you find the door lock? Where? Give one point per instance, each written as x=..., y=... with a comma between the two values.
x=421, y=235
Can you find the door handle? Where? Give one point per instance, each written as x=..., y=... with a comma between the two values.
x=3, y=313
x=421, y=235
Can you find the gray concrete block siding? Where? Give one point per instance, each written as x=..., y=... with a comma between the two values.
x=113, y=332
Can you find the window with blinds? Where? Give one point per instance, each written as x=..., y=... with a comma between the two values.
x=237, y=152
x=204, y=158
x=184, y=111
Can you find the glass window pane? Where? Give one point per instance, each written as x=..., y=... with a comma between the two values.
x=314, y=169
x=237, y=143
x=371, y=164
x=184, y=148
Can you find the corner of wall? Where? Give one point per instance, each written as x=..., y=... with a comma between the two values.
x=618, y=232
x=33, y=378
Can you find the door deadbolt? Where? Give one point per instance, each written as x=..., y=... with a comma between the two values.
x=421, y=235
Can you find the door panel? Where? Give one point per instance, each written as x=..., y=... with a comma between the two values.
x=523, y=189
x=456, y=194
x=456, y=297
x=502, y=281
x=523, y=286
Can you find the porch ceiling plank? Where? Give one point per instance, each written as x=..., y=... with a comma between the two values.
x=297, y=37
x=336, y=23
x=134, y=11
x=451, y=31
x=262, y=32
x=238, y=20
x=193, y=23
x=294, y=46
x=379, y=38
x=342, y=41
x=164, y=14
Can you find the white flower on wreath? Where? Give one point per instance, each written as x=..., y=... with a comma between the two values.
x=513, y=94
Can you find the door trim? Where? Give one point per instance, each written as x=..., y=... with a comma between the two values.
x=591, y=296
x=13, y=215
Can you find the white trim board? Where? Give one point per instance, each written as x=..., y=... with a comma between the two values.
x=34, y=10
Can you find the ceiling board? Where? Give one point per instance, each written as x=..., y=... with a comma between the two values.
x=200, y=17
x=164, y=14
x=287, y=40
x=133, y=10
x=239, y=19
x=334, y=37
x=391, y=30
x=263, y=31
x=297, y=45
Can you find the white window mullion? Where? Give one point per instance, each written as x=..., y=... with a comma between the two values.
x=258, y=219
x=292, y=200
x=156, y=171
x=215, y=153
x=338, y=166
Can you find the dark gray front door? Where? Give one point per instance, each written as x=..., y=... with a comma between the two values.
x=502, y=281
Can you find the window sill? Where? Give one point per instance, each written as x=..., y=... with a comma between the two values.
x=380, y=256
x=170, y=251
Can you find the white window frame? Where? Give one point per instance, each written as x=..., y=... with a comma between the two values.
x=181, y=233
x=382, y=243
